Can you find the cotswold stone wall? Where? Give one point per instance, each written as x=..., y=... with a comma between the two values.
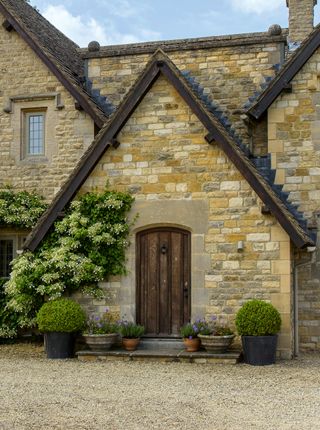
x=294, y=136
x=230, y=72
x=180, y=180
x=68, y=132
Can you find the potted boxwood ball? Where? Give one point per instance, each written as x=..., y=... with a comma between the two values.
x=60, y=320
x=258, y=323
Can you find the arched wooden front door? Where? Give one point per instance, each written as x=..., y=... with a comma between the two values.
x=163, y=280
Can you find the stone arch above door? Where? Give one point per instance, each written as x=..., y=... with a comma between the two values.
x=188, y=215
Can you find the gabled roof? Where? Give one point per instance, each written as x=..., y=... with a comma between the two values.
x=57, y=51
x=286, y=74
x=217, y=132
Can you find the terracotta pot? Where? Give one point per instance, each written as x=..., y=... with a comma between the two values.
x=130, y=344
x=100, y=342
x=191, y=345
x=216, y=344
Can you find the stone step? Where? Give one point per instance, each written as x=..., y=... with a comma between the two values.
x=151, y=343
x=163, y=355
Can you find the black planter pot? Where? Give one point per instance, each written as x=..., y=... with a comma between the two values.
x=259, y=350
x=59, y=345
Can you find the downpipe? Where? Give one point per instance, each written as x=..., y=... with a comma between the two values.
x=296, y=267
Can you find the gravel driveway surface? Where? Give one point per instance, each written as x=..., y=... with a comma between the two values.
x=36, y=393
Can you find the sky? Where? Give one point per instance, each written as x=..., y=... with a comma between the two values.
x=129, y=21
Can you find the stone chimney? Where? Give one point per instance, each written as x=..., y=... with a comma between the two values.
x=301, y=17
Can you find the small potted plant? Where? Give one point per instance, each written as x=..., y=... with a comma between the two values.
x=189, y=333
x=101, y=332
x=258, y=323
x=60, y=320
x=216, y=337
x=131, y=334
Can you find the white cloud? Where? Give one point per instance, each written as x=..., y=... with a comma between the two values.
x=120, y=8
x=256, y=6
x=83, y=30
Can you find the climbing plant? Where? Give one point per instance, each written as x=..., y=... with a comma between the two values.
x=83, y=248
x=19, y=210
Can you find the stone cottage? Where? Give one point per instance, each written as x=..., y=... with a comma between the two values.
x=217, y=138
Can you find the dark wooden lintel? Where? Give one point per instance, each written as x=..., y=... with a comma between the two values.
x=115, y=143
x=211, y=137
x=78, y=106
x=7, y=25
x=265, y=210
x=287, y=88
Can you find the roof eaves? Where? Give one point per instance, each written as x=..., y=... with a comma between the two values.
x=160, y=63
x=64, y=75
x=284, y=77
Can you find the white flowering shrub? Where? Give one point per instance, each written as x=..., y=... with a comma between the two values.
x=22, y=209
x=83, y=248
x=19, y=210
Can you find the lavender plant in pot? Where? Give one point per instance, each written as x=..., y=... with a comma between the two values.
x=131, y=334
x=216, y=337
x=189, y=333
x=101, y=332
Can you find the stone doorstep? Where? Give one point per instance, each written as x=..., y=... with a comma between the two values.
x=164, y=355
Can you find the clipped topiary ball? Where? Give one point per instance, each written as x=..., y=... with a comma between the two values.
x=62, y=315
x=258, y=318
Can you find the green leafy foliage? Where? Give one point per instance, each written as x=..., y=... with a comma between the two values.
x=21, y=209
x=62, y=315
x=8, y=317
x=130, y=330
x=258, y=318
x=82, y=249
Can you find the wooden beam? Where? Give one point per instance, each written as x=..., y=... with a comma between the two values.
x=7, y=25
x=108, y=138
x=78, y=106
x=284, y=78
x=262, y=192
x=53, y=68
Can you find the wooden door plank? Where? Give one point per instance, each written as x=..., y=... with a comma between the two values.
x=152, y=283
x=186, y=277
x=177, y=282
x=164, y=283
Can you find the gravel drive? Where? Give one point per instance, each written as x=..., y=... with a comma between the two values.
x=36, y=393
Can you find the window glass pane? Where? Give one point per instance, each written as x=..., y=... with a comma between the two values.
x=35, y=134
x=6, y=256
